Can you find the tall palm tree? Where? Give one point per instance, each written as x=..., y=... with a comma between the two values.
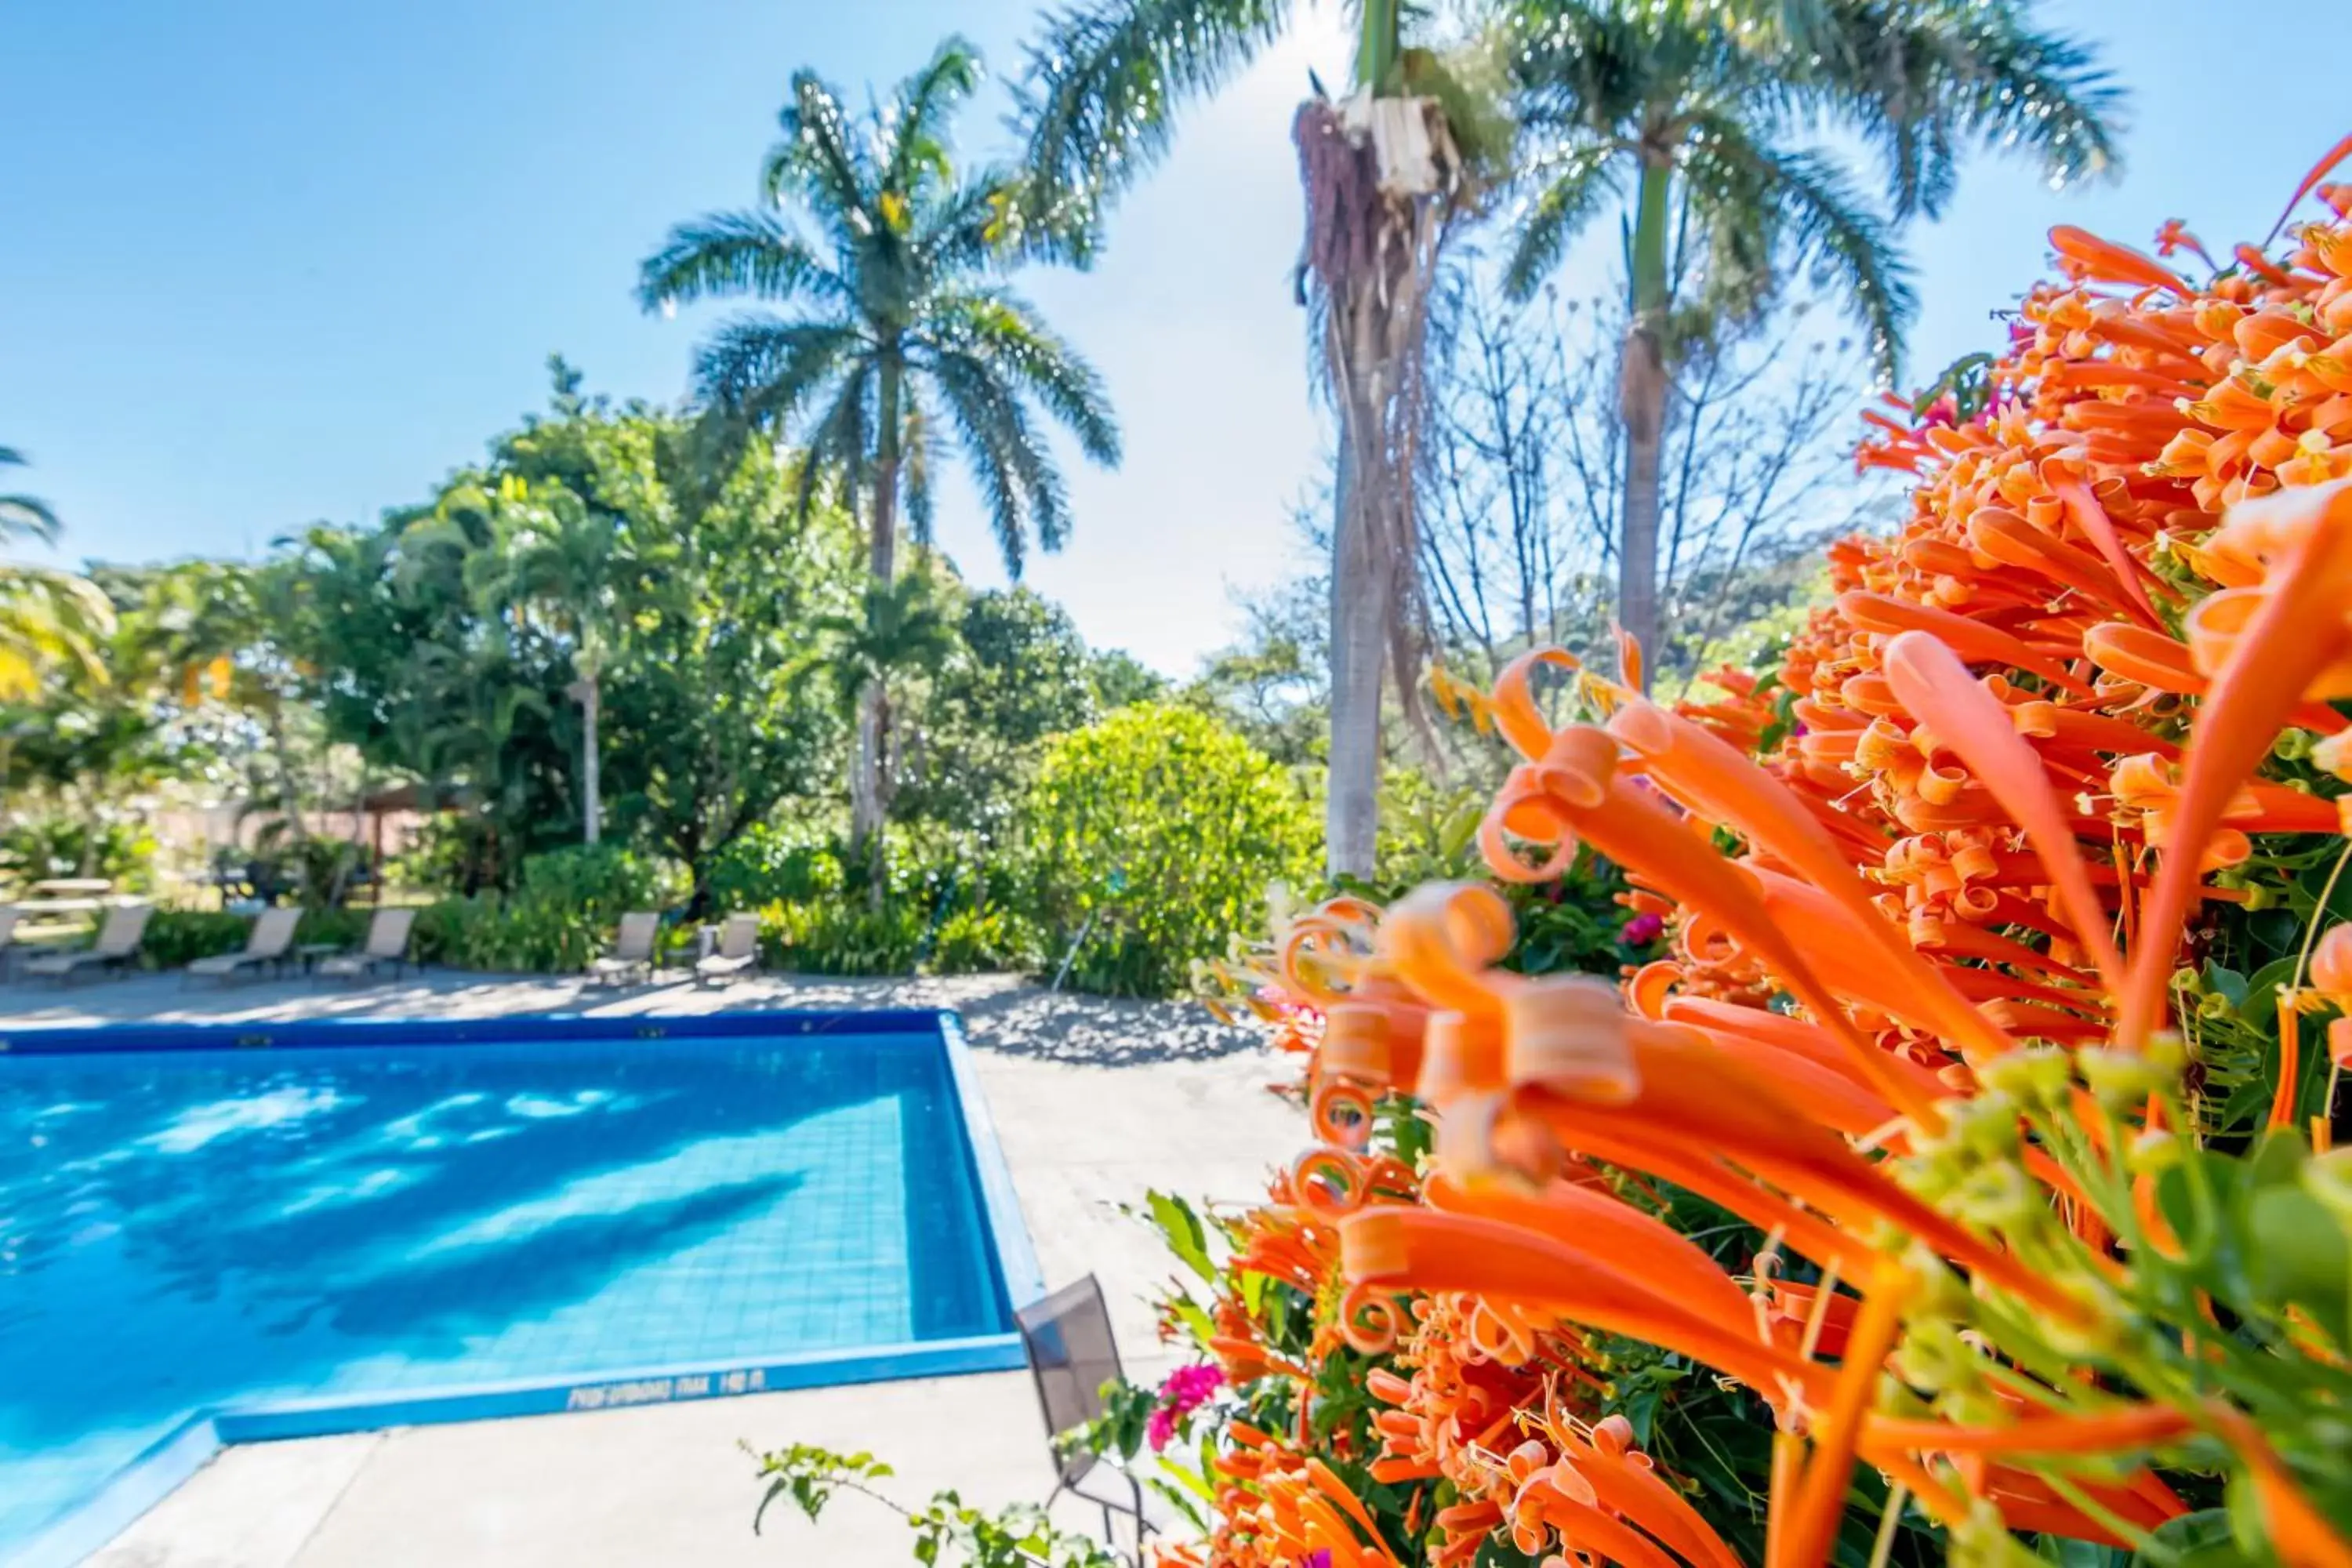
x=1692, y=114
x=1388, y=173
x=48, y=619
x=556, y=563
x=898, y=334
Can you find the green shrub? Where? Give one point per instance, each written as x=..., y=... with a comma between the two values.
x=521, y=935
x=769, y=863
x=601, y=880
x=1156, y=834
x=35, y=850
x=985, y=941
x=174, y=937
x=840, y=936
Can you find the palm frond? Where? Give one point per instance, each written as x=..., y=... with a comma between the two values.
x=1000, y=331
x=760, y=370
x=1757, y=204
x=26, y=517
x=1096, y=101
x=842, y=440
x=921, y=442
x=1920, y=80
x=1015, y=474
x=723, y=254
x=1572, y=184
x=817, y=162
x=915, y=135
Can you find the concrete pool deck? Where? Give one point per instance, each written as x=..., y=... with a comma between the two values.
x=1093, y=1103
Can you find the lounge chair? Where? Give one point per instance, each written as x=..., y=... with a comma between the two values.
x=387, y=943
x=268, y=943
x=117, y=946
x=632, y=957
x=10, y=947
x=1071, y=1355
x=737, y=952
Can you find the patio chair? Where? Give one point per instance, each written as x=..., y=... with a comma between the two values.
x=1072, y=1354
x=117, y=946
x=737, y=952
x=632, y=957
x=268, y=943
x=387, y=944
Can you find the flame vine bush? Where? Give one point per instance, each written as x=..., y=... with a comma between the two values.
x=1963, y=1180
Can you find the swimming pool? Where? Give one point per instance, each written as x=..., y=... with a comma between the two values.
x=219, y=1234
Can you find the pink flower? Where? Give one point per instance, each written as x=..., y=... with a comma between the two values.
x=1186, y=1390
x=1319, y=1558
x=1642, y=928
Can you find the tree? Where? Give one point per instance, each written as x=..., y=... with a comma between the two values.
x=1525, y=464
x=453, y=642
x=1690, y=111
x=556, y=563
x=898, y=334
x=48, y=619
x=897, y=625
x=1018, y=673
x=1388, y=175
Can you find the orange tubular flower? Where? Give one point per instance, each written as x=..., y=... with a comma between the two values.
x=1926, y=887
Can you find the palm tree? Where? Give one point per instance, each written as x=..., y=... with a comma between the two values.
x=48, y=619
x=896, y=627
x=23, y=516
x=898, y=335
x=554, y=563
x=1689, y=110
x=1388, y=173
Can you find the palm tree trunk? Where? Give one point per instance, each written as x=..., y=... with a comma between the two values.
x=867, y=799
x=1360, y=596
x=1642, y=404
x=591, y=764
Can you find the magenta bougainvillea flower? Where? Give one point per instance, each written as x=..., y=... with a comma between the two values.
x=1186, y=1390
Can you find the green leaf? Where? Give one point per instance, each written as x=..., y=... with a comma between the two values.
x=1186, y=1238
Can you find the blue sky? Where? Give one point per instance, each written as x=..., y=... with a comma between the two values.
x=273, y=262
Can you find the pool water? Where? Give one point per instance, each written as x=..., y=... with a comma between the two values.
x=190, y=1230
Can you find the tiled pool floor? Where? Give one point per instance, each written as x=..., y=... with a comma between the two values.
x=188, y=1230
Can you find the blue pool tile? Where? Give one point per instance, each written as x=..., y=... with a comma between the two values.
x=184, y=1230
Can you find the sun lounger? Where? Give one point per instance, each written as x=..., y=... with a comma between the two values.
x=117, y=946
x=737, y=952
x=632, y=957
x=271, y=939
x=387, y=943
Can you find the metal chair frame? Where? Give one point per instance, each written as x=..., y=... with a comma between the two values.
x=1046, y=1335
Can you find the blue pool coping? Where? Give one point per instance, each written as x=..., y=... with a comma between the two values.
x=168, y=1462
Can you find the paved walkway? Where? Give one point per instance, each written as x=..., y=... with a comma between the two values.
x=1093, y=1101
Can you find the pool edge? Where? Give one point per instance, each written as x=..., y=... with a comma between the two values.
x=160, y=1469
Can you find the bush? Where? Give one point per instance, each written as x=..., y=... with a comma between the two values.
x=602, y=880
x=950, y=902
x=769, y=863
x=175, y=937
x=36, y=848
x=1156, y=834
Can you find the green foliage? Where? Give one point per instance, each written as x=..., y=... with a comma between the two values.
x=947, y=1530
x=888, y=259
x=454, y=641
x=174, y=937
x=602, y=881
x=34, y=849
x=1018, y=674
x=948, y=903
x=768, y=863
x=1156, y=836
